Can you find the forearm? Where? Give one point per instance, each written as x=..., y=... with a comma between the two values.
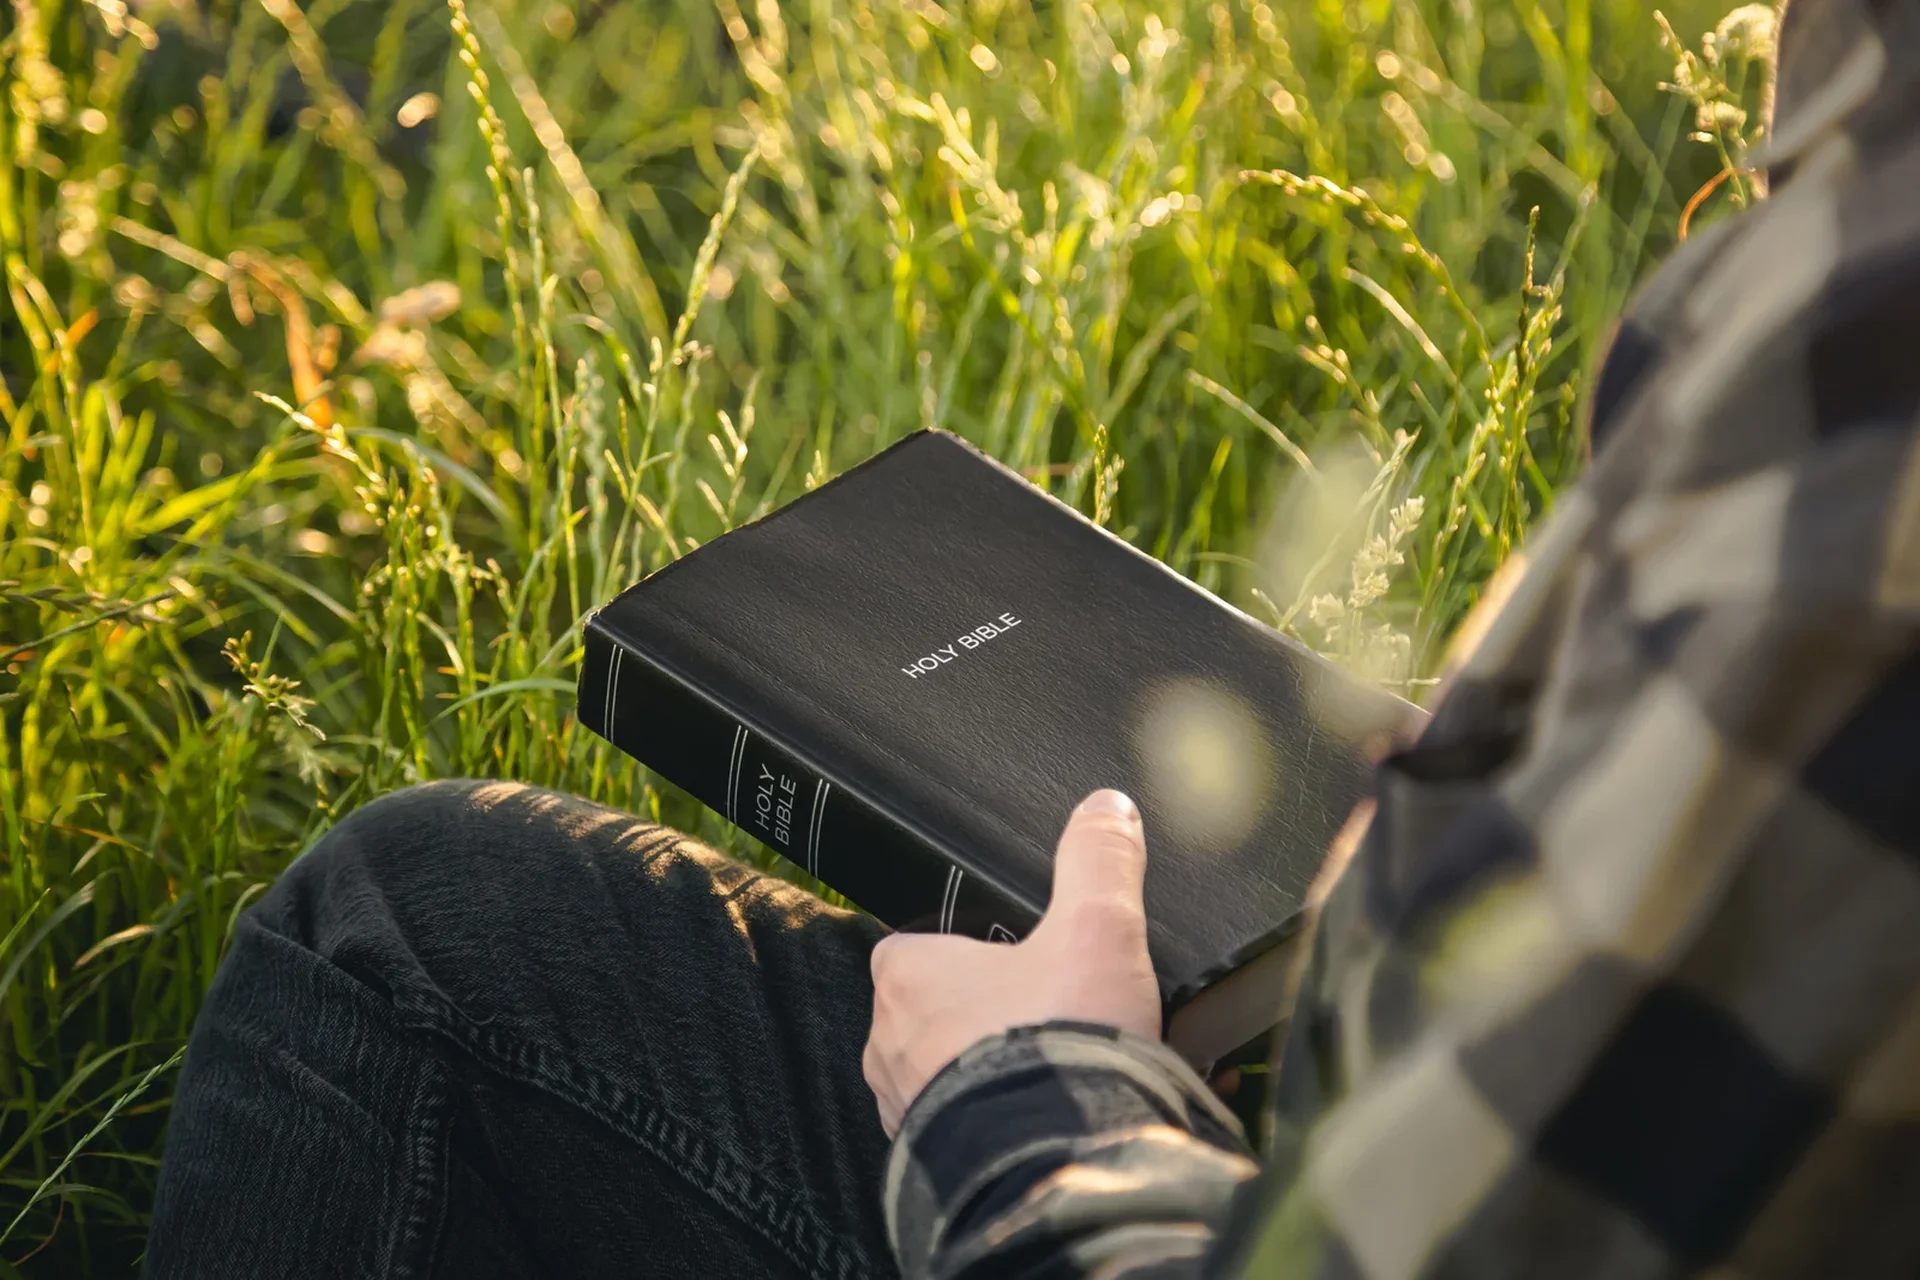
x=1062, y=1150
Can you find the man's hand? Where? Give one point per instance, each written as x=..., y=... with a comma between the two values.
x=934, y=996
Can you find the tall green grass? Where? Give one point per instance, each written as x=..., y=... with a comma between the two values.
x=352, y=352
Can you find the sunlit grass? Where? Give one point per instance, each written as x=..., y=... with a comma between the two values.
x=351, y=353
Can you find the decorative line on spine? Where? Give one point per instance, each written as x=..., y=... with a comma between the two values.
x=820, y=790
x=950, y=899
x=733, y=773
x=613, y=690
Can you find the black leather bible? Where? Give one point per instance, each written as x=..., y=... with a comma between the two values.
x=905, y=680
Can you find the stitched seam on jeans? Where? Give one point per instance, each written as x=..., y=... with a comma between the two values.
x=422, y=1205
x=725, y=1179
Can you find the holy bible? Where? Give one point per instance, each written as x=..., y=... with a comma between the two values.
x=906, y=679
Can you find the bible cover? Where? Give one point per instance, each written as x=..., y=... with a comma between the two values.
x=906, y=679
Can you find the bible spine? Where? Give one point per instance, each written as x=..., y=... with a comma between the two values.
x=828, y=826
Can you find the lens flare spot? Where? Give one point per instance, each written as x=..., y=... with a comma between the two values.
x=1208, y=766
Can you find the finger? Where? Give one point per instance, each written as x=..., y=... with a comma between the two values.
x=890, y=1116
x=906, y=966
x=873, y=1065
x=892, y=954
x=881, y=957
x=1102, y=856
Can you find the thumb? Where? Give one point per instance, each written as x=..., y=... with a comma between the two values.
x=1101, y=861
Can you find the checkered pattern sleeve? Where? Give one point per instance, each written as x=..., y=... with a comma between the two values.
x=1062, y=1150
x=1624, y=979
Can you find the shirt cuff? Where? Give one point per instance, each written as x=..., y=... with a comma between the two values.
x=1017, y=1107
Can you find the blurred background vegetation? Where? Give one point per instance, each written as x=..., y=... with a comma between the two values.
x=349, y=352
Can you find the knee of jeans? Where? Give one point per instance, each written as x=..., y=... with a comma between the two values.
x=484, y=837
x=412, y=822
x=389, y=848
x=429, y=865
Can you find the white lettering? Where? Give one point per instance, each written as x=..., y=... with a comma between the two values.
x=972, y=639
x=783, y=810
x=763, y=799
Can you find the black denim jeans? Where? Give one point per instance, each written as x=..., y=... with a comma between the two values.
x=486, y=1030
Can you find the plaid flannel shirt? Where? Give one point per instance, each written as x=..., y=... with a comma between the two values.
x=1624, y=979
